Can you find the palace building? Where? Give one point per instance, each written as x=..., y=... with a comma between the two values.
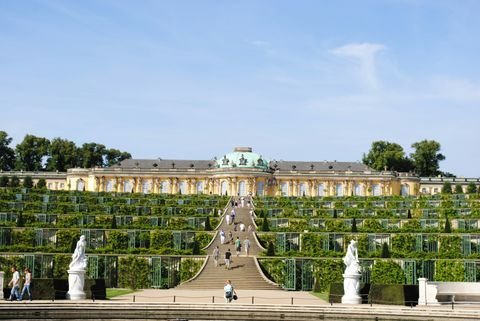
x=241, y=172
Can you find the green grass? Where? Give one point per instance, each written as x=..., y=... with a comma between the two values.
x=113, y=292
x=321, y=295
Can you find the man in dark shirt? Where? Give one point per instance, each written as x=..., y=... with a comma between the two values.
x=228, y=255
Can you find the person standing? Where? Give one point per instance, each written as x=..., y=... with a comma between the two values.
x=15, y=283
x=229, y=291
x=228, y=256
x=216, y=255
x=238, y=246
x=246, y=244
x=26, y=285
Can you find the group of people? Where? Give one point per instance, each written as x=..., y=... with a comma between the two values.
x=228, y=255
x=15, y=284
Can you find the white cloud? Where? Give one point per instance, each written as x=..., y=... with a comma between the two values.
x=364, y=54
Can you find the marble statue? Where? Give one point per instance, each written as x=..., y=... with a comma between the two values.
x=351, y=277
x=76, y=272
x=79, y=260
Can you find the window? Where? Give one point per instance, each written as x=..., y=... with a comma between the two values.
x=339, y=190
x=241, y=188
x=284, y=189
x=127, y=187
x=199, y=187
x=146, y=187
x=110, y=186
x=359, y=190
x=164, y=187
x=182, y=187
x=223, y=188
x=376, y=190
x=260, y=187
x=80, y=185
x=405, y=190
x=321, y=190
x=302, y=190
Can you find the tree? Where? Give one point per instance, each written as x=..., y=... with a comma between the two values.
x=354, y=226
x=114, y=156
x=63, y=155
x=114, y=223
x=14, y=181
x=42, y=183
x=31, y=153
x=265, y=226
x=385, y=251
x=270, y=249
x=458, y=189
x=388, y=155
x=426, y=157
x=4, y=181
x=471, y=188
x=7, y=154
x=448, y=226
x=447, y=188
x=208, y=227
x=28, y=182
x=91, y=155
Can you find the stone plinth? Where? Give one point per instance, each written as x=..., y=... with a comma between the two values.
x=76, y=282
x=351, y=287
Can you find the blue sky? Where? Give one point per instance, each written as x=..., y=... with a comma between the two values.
x=296, y=80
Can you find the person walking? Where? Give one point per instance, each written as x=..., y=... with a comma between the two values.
x=246, y=244
x=26, y=285
x=222, y=237
x=15, y=283
x=229, y=291
x=238, y=246
x=228, y=256
x=216, y=255
x=230, y=237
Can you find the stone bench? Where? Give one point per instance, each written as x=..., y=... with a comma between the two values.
x=435, y=293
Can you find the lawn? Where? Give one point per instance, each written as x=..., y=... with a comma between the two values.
x=113, y=292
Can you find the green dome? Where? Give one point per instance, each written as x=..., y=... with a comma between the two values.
x=242, y=157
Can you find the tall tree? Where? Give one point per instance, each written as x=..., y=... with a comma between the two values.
x=426, y=157
x=388, y=155
x=63, y=155
x=91, y=155
x=31, y=153
x=114, y=156
x=7, y=154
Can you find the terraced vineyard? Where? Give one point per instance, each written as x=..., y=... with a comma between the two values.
x=39, y=229
x=437, y=237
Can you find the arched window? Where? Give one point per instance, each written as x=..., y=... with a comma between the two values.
x=199, y=187
x=224, y=188
x=164, y=187
x=242, y=190
x=260, y=187
x=405, y=190
x=145, y=187
x=376, y=190
x=359, y=190
x=50, y=186
x=302, y=190
x=321, y=190
x=127, y=187
x=110, y=186
x=80, y=185
x=338, y=189
x=182, y=187
x=284, y=189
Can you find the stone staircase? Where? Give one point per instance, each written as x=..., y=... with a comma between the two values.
x=243, y=272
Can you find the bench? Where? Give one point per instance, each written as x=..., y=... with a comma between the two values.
x=435, y=293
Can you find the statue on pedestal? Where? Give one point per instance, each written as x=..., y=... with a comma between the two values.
x=76, y=272
x=351, y=277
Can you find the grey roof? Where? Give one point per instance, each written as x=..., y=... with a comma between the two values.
x=319, y=166
x=166, y=164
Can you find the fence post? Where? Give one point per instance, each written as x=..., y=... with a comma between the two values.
x=93, y=297
x=133, y=298
x=213, y=299
x=174, y=298
x=292, y=300
x=452, y=305
x=253, y=299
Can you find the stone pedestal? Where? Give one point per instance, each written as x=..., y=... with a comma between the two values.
x=2, y=276
x=351, y=287
x=76, y=282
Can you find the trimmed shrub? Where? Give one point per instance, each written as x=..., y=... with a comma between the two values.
x=395, y=294
x=133, y=272
x=387, y=272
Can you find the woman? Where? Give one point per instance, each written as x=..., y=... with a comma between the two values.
x=229, y=291
x=26, y=285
